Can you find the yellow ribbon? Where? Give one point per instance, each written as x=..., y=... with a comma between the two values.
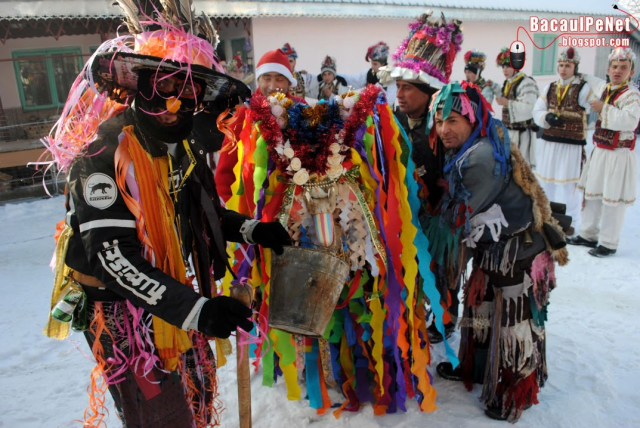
x=560, y=97
x=508, y=85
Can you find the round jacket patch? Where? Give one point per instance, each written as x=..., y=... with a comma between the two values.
x=100, y=191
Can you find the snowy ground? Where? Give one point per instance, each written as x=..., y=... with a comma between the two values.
x=593, y=347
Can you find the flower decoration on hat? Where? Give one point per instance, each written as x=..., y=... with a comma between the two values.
x=328, y=64
x=475, y=58
x=378, y=52
x=569, y=55
x=622, y=54
x=427, y=54
x=290, y=51
x=503, y=58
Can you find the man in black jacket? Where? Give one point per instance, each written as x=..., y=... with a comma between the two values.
x=145, y=235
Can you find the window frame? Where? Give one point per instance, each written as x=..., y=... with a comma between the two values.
x=543, y=40
x=46, y=53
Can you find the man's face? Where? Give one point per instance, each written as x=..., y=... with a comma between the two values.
x=620, y=71
x=508, y=72
x=411, y=100
x=471, y=76
x=273, y=82
x=292, y=63
x=328, y=76
x=375, y=65
x=566, y=69
x=454, y=130
x=170, y=87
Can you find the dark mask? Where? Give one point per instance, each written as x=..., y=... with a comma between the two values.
x=149, y=100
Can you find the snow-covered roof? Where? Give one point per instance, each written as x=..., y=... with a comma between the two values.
x=469, y=10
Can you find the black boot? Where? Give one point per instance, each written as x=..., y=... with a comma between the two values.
x=446, y=371
x=601, y=251
x=579, y=240
x=434, y=334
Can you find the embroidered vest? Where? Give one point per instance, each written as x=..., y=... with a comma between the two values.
x=606, y=138
x=299, y=90
x=573, y=128
x=512, y=96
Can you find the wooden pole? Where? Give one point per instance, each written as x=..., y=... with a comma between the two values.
x=244, y=293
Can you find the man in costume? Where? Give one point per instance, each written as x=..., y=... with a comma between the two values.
x=328, y=83
x=421, y=68
x=561, y=110
x=610, y=175
x=144, y=238
x=494, y=209
x=302, y=77
x=474, y=62
x=378, y=56
x=517, y=97
x=339, y=176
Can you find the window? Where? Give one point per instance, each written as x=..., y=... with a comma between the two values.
x=45, y=76
x=544, y=60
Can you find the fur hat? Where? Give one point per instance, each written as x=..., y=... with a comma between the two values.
x=276, y=61
x=328, y=64
x=569, y=55
x=427, y=54
x=378, y=52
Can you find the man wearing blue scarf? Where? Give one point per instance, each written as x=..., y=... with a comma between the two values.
x=496, y=211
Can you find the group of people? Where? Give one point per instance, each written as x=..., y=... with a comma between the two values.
x=594, y=191
x=152, y=241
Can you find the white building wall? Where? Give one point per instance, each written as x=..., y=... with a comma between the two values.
x=348, y=39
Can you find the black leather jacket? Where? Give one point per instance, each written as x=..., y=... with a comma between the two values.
x=105, y=242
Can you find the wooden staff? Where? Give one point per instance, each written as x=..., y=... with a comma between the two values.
x=244, y=293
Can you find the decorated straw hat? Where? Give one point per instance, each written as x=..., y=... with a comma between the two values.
x=569, y=55
x=427, y=54
x=503, y=57
x=168, y=38
x=378, y=52
x=474, y=60
x=622, y=54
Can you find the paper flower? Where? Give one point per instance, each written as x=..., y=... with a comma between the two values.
x=335, y=147
x=301, y=177
x=333, y=172
x=334, y=159
x=296, y=164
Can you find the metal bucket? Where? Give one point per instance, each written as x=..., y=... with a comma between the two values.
x=305, y=287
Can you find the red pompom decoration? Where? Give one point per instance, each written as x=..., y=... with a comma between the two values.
x=570, y=53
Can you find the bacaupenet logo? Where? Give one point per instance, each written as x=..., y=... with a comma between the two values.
x=587, y=31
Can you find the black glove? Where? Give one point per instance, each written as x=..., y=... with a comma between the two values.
x=553, y=119
x=222, y=315
x=271, y=235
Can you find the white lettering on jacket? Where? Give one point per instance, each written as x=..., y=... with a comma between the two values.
x=128, y=276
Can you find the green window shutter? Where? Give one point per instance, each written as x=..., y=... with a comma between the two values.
x=45, y=76
x=544, y=60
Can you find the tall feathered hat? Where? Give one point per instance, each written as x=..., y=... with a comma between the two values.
x=170, y=37
x=378, y=52
x=427, y=54
x=474, y=61
x=623, y=54
x=503, y=57
x=166, y=37
x=569, y=55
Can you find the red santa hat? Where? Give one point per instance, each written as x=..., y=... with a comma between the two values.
x=276, y=61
